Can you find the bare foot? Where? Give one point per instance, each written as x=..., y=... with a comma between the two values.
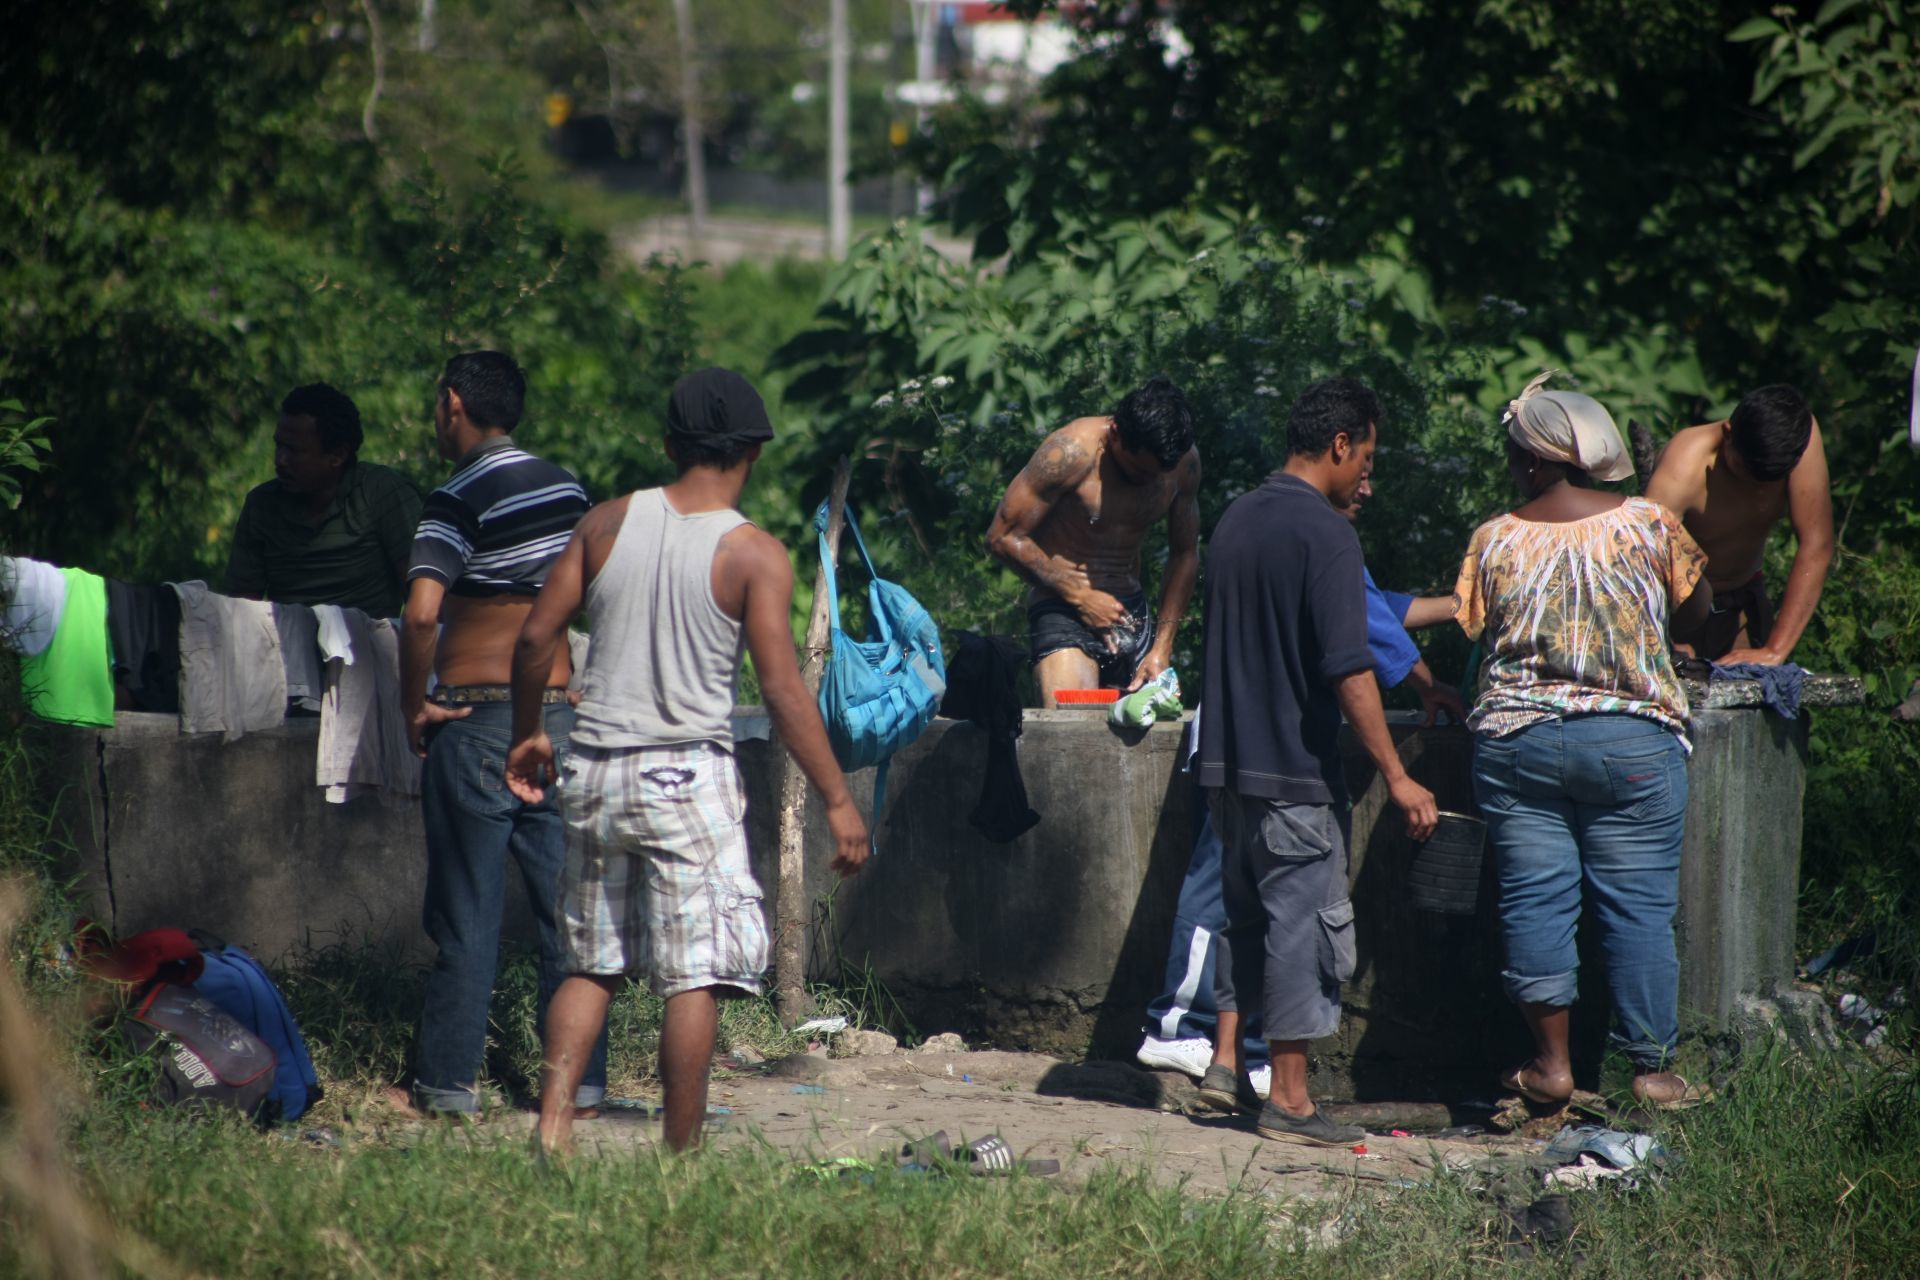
x=400, y=1098
x=549, y=1155
x=586, y=1113
x=1663, y=1089
x=1535, y=1084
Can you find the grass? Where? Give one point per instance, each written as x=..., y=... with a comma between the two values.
x=234, y=1204
x=1804, y=1169
x=357, y=1006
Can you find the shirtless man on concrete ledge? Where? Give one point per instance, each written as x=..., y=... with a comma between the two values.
x=1730, y=482
x=1071, y=524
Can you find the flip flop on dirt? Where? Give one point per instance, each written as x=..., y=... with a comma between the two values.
x=992, y=1155
x=1691, y=1095
x=982, y=1157
x=1516, y=1081
x=925, y=1155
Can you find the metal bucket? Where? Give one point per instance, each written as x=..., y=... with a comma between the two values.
x=1445, y=875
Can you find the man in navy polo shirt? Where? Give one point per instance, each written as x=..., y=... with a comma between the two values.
x=1286, y=657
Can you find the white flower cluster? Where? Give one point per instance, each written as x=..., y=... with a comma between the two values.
x=912, y=392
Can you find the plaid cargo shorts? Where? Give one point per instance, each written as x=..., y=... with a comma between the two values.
x=657, y=879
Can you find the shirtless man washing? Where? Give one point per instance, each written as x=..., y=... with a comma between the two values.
x=1730, y=482
x=1071, y=524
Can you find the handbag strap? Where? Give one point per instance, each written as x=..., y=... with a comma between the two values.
x=877, y=614
x=826, y=567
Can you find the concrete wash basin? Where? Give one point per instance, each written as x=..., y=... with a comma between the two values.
x=1053, y=942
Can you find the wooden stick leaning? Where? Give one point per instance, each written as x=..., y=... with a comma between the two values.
x=791, y=907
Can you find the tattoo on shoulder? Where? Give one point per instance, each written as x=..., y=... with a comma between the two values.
x=1058, y=461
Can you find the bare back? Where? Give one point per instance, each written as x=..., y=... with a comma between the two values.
x=1728, y=515
x=477, y=637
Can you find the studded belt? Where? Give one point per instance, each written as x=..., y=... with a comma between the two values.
x=460, y=695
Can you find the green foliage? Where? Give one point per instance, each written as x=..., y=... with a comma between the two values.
x=791, y=136
x=942, y=379
x=1862, y=827
x=163, y=342
x=185, y=106
x=1846, y=85
x=22, y=441
x=1584, y=185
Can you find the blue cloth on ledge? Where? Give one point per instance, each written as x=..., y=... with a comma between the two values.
x=1780, y=686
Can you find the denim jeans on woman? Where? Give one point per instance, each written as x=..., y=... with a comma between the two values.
x=473, y=824
x=1590, y=807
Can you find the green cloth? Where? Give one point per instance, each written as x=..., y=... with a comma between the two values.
x=355, y=556
x=71, y=680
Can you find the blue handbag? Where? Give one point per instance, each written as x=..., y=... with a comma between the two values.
x=880, y=692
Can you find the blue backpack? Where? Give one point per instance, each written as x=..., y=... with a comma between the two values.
x=239, y=987
x=878, y=693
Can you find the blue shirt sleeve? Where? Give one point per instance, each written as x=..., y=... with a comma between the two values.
x=1394, y=652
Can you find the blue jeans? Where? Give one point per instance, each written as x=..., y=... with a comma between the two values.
x=1599, y=799
x=1185, y=1007
x=473, y=823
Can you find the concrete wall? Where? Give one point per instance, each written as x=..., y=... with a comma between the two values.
x=1055, y=941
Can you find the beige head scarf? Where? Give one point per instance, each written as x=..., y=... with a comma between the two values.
x=1565, y=426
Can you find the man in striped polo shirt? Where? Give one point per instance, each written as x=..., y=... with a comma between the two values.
x=486, y=541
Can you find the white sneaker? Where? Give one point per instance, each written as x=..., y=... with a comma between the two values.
x=1190, y=1057
x=1262, y=1078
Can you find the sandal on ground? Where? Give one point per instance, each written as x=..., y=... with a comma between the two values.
x=992, y=1155
x=1516, y=1081
x=982, y=1156
x=925, y=1155
x=1691, y=1095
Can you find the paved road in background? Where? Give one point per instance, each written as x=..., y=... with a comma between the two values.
x=730, y=240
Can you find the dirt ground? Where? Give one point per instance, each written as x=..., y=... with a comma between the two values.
x=1086, y=1116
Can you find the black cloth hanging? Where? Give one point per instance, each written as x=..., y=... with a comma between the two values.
x=983, y=687
x=143, y=625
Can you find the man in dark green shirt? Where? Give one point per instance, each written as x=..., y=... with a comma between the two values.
x=330, y=529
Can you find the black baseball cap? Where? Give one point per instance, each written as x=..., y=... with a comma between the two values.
x=717, y=407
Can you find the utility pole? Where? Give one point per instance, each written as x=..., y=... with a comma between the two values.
x=690, y=124
x=839, y=166
x=926, y=28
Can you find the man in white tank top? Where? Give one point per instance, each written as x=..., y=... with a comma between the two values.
x=657, y=881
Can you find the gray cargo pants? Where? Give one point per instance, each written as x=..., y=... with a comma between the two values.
x=1288, y=944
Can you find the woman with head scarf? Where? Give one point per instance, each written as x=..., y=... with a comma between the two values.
x=1580, y=734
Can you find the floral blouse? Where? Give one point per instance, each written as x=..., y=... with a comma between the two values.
x=1573, y=616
